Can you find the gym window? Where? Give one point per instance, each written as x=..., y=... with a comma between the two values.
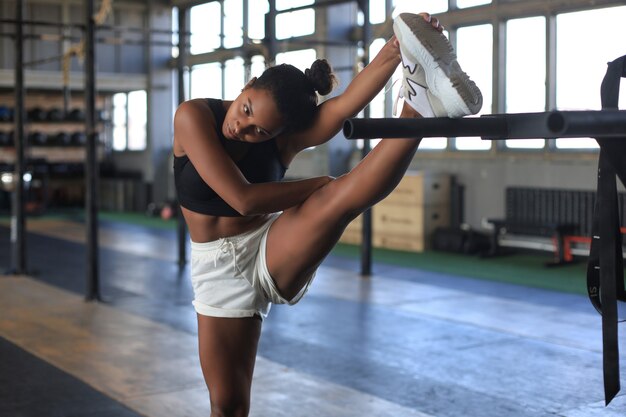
x=301, y=59
x=205, y=23
x=526, y=72
x=434, y=6
x=257, y=9
x=206, y=81
x=475, y=52
x=292, y=24
x=233, y=23
x=463, y=4
x=130, y=121
x=234, y=78
x=579, y=76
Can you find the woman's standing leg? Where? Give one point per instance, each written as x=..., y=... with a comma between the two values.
x=228, y=348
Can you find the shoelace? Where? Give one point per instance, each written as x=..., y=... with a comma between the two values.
x=225, y=247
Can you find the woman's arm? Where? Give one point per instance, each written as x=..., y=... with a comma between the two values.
x=195, y=133
x=333, y=112
x=360, y=92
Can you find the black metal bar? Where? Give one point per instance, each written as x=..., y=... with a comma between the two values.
x=100, y=27
x=555, y=124
x=91, y=162
x=122, y=29
x=602, y=123
x=41, y=23
x=181, y=64
x=18, y=242
x=366, y=232
x=431, y=127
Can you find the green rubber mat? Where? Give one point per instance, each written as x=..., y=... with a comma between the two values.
x=520, y=268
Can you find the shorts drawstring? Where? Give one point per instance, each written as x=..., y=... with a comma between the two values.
x=225, y=247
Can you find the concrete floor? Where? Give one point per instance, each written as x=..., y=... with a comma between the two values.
x=401, y=343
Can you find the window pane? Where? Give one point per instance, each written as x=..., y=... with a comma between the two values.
x=206, y=81
x=137, y=120
x=119, y=138
x=204, y=22
x=234, y=79
x=526, y=71
x=434, y=6
x=290, y=4
x=579, y=75
x=461, y=4
x=377, y=105
x=475, y=54
x=174, y=33
x=377, y=11
x=301, y=59
x=257, y=66
x=257, y=9
x=233, y=23
x=119, y=109
x=293, y=24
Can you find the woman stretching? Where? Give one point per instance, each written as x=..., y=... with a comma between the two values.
x=257, y=240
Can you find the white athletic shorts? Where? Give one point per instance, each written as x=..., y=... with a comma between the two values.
x=230, y=276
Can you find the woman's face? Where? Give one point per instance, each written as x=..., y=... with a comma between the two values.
x=252, y=117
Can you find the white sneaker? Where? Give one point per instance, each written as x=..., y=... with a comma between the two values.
x=432, y=78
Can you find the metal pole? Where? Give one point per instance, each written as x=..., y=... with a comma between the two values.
x=554, y=124
x=366, y=238
x=181, y=62
x=270, y=34
x=18, y=243
x=91, y=162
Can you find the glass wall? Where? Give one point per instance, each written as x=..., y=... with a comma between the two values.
x=526, y=72
x=475, y=54
x=206, y=81
x=409, y=6
x=205, y=26
x=462, y=4
x=581, y=61
x=130, y=118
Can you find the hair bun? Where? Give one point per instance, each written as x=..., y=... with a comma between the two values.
x=321, y=76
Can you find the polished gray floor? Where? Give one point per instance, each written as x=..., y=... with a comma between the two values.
x=402, y=343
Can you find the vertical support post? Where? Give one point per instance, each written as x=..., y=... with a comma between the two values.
x=270, y=34
x=366, y=238
x=550, y=69
x=18, y=243
x=91, y=162
x=181, y=63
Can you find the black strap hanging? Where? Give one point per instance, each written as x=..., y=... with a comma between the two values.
x=605, y=270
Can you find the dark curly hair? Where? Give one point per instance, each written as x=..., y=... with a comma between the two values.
x=296, y=92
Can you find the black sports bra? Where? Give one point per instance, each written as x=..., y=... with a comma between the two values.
x=261, y=163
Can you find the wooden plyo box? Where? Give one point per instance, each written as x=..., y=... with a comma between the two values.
x=406, y=219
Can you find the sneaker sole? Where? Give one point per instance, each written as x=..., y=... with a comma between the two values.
x=429, y=48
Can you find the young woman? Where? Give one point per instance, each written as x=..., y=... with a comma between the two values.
x=257, y=240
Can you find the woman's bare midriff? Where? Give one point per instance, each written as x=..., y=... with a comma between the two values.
x=205, y=228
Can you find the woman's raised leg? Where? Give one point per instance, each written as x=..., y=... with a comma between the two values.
x=228, y=349
x=303, y=235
